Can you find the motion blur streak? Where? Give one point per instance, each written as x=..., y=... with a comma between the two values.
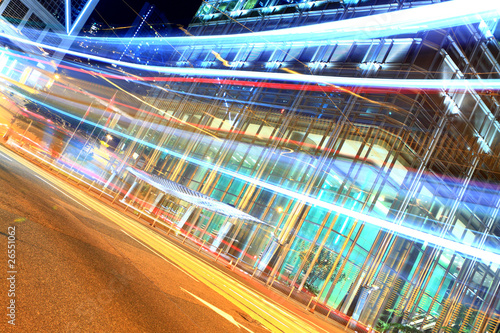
x=487, y=255
x=406, y=21
x=340, y=81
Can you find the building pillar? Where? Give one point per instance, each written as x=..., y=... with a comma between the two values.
x=185, y=217
x=249, y=241
x=268, y=254
x=196, y=215
x=222, y=234
x=134, y=185
x=156, y=202
x=113, y=175
x=230, y=244
x=350, y=297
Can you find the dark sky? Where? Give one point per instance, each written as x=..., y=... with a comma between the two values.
x=121, y=12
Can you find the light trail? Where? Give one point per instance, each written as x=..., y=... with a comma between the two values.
x=67, y=195
x=158, y=109
x=7, y=158
x=446, y=14
x=406, y=231
x=449, y=14
x=444, y=84
x=248, y=300
x=278, y=309
x=413, y=89
x=159, y=255
x=404, y=21
x=223, y=314
x=488, y=255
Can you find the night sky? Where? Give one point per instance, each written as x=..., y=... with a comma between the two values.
x=119, y=13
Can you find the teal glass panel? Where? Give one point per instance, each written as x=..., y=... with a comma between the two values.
x=308, y=230
x=435, y=280
x=293, y=260
x=236, y=187
x=358, y=255
x=316, y=214
x=368, y=236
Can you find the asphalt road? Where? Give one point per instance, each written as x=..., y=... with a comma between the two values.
x=82, y=266
x=78, y=271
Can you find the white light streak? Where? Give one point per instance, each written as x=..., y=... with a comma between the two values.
x=67, y=195
x=7, y=158
x=159, y=255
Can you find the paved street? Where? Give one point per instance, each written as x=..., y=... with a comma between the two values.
x=77, y=271
x=82, y=266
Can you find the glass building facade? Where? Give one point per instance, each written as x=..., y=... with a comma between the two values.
x=41, y=22
x=350, y=188
x=43, y=16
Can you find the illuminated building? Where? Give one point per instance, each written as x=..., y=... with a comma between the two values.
x=50, y=22
x=328, y=165
x=47, y=15
x=424, y=159
x=149, y=22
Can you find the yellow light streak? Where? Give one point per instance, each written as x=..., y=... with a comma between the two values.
x=224, y=61
x=158, y=109
x=353, y=93
x=258, y=306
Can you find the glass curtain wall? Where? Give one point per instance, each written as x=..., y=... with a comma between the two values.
x=423, y=159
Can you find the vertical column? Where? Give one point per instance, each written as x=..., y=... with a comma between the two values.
x=113, y=174
x=248, y=242
x=132, y=188
x=185, y=217
x=231, y=242
x=268, y=254
x=156, y=202
x=222, y=233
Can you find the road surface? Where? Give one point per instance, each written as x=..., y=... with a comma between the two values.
x=82, y=266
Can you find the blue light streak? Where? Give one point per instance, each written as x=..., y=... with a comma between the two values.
x=406, y=21
x=67, y=12
x=440, y=84
x=442, y=15
x=486, y=255
x=82, y=13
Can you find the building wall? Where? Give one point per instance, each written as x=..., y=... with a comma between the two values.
x=425, y=159
x=42, y=22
